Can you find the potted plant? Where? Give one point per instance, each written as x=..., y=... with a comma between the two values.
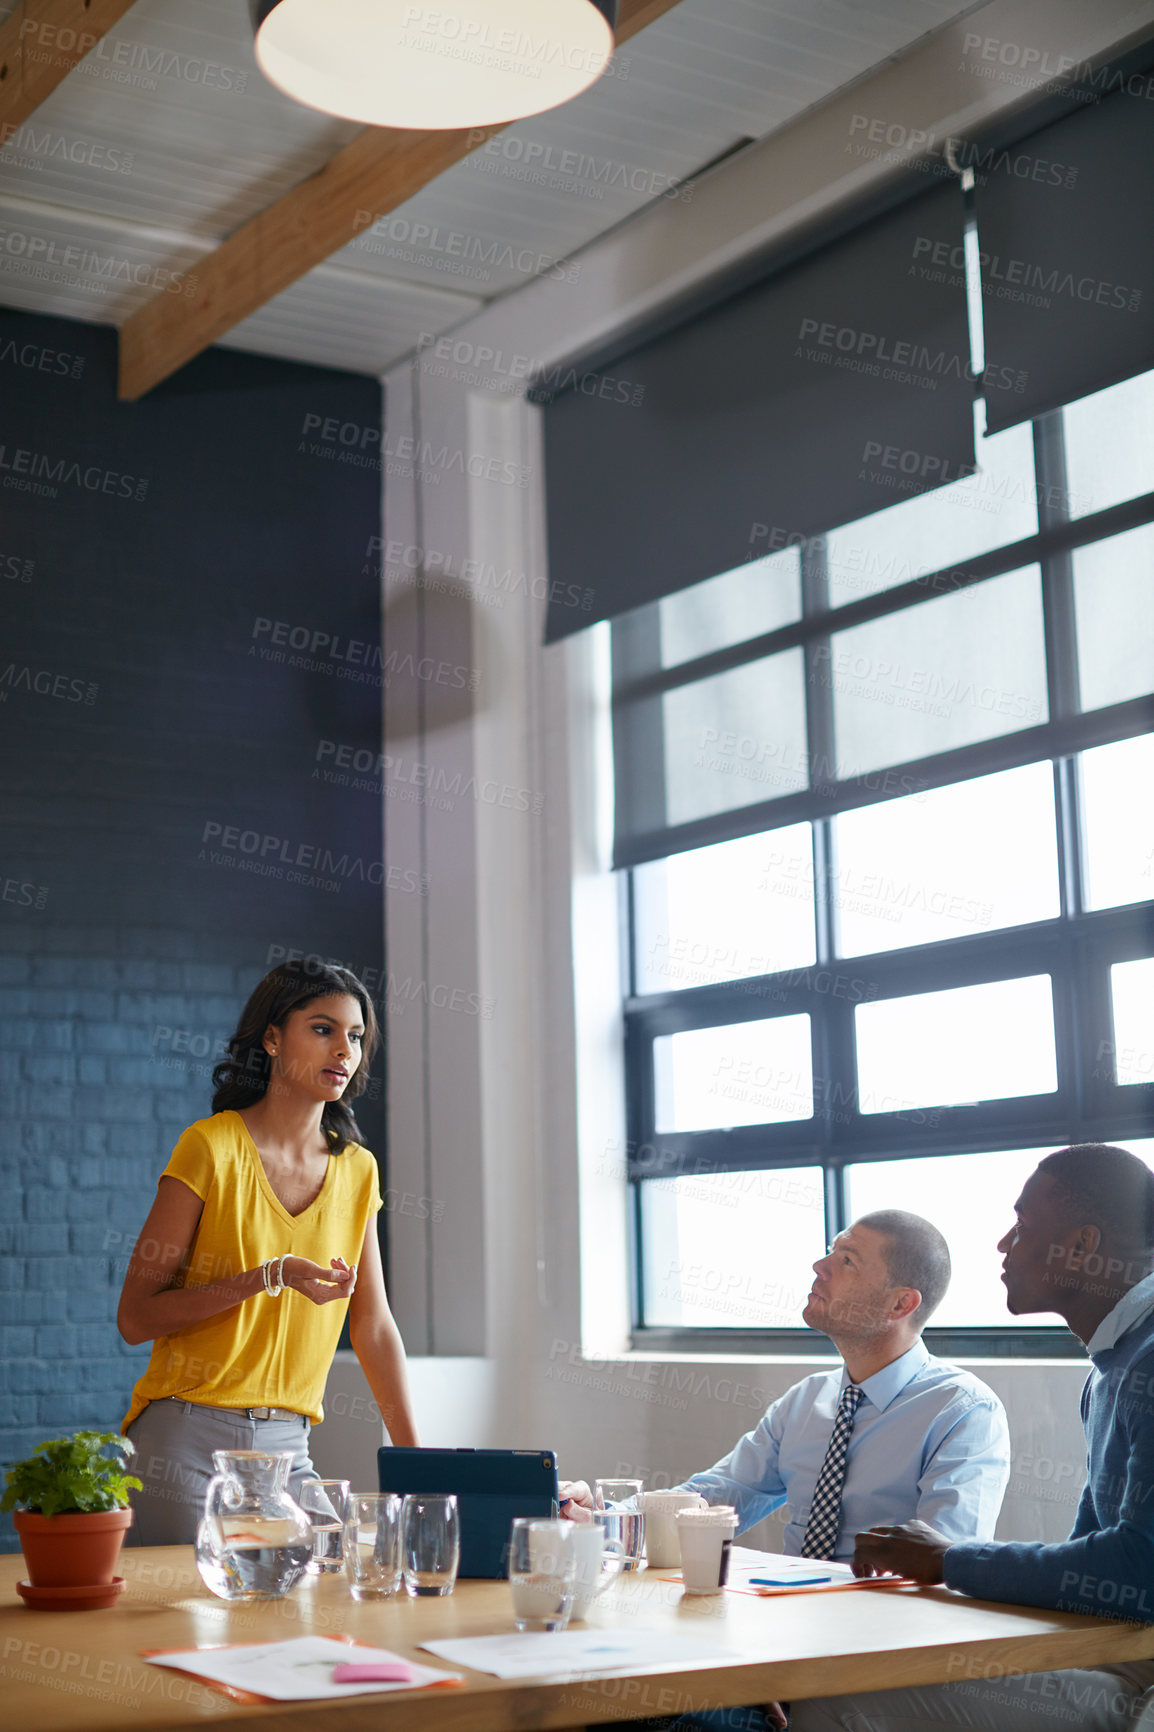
x=71, y=1501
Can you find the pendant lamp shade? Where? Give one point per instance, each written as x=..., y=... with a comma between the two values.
x=458, y=63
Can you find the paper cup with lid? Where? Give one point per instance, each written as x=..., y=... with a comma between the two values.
x=705, y=1537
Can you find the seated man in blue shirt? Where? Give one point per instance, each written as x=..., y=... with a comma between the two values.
x=1082, y=1244
x=892, y=1429
x=927, y=1439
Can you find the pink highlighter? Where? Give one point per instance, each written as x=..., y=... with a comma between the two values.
x=373, y=1672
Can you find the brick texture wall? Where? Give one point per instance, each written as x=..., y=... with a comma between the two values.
x=106, y=1044
x=138, y=719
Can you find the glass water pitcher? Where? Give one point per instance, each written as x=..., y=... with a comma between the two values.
x=254, y=1542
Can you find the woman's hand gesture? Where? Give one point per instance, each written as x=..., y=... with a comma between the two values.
x=317, y=1283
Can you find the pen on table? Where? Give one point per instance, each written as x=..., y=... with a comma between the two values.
x=787, y=1581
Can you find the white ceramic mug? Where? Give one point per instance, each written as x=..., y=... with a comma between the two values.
x=659, y=1509
x=592, y=1548
x=705, y=1537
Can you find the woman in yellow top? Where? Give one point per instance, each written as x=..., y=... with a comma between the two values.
x=262, y=1236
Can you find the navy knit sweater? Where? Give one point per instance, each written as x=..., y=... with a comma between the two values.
x=1106, y=1566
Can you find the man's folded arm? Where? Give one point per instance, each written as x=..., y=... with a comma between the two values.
x=965, y=1477
x=1107, y=1574
x=1103, y=1569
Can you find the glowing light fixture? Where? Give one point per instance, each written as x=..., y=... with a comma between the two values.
x=406, y=63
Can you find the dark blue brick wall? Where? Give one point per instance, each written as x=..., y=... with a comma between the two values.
x=126, y=950
x=76, y=1196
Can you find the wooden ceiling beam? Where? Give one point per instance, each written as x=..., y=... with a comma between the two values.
x=40, y=43
x=376, y=172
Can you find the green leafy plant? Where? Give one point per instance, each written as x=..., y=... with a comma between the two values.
x=67, y=1474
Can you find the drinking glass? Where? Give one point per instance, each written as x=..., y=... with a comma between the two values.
x=430, y=1543
x=373, y=1544
x=611, y=1493
x=325, y=1502
x=624, y=1531
x=542, y=1571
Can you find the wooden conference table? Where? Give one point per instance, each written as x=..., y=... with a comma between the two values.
x=82, y=1671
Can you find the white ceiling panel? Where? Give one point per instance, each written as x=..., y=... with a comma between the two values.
x=167, y=138
x=92, y=268
x=175, y=92
x=693, y=85
x=348, y=319
x=79, y=266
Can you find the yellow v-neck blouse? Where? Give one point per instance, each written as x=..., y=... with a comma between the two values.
x=263, y=1352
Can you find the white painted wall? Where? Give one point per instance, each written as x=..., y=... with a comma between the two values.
x=507, y=1224
x=456, y=1399
x=661, y=1420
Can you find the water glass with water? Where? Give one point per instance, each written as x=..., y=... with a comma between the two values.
x=325, y=1502
x=542, y=1572
x=373, y=1544
x=624, y=1531
x=430, y=1543
x=612, y=1493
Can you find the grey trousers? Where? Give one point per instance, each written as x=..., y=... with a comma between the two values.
x=1109, y=1699
x=174, y=1444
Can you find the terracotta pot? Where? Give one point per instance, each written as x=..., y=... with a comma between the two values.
x=71, y=1550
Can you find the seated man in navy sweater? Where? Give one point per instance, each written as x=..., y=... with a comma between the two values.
x=1082, y=1245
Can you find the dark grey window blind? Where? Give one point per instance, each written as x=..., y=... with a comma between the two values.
x=1066, y=227
x=794, y=407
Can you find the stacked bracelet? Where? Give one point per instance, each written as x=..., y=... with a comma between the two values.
x=272, y=1274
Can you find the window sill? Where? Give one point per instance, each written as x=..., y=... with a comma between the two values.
x=1049, y=1346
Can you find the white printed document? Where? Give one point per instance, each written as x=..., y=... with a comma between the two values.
x=530, y=1655
x=297, y=1670
x=776, y=1570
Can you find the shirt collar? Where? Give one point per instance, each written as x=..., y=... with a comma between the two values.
x=889, y=1382
x=1130, y=1310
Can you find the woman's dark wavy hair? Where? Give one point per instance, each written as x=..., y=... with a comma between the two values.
x=242, y=1079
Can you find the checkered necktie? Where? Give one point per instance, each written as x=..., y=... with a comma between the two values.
x=825, y=1511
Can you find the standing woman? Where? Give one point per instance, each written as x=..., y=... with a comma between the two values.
x=262, y=1236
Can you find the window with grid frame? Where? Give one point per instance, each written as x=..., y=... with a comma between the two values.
x=887, y=845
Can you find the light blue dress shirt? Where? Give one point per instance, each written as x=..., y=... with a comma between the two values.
x=930, y=1441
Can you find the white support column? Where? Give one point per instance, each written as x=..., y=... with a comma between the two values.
x=434, y=1003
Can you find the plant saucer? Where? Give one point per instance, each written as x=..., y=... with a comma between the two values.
x=91, y=1597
